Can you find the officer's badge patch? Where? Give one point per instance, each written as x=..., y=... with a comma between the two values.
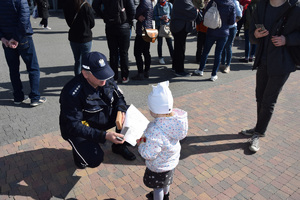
x=101, y=62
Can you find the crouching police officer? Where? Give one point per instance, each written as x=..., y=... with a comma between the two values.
x=89, y=104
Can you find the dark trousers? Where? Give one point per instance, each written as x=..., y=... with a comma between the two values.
x=142, y=48
x=267, y=91
x=118, y=40
x=44, y=22
x=179, y=51
x=201, y=36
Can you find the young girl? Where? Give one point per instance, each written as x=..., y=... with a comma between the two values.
x=160, y=145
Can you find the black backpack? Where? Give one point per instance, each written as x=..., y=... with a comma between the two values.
x=114, y=12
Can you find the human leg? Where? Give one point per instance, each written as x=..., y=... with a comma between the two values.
x=123, y=43
x=138, y=47
x=159, y=46
x=209, y=41
x=30, y=59
x=112, y=42
x=147, y=56
x=86, y=153
x=252, y=52
x=247, y=44
x=79, y=49
x=13, y=62
x=170, y=46
x=158, y=194
x=267, y=91
x=228, y=46
x=179, y=51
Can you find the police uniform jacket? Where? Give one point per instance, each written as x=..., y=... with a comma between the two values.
x=88, y=112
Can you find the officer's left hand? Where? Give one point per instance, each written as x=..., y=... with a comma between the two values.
x=112, y=136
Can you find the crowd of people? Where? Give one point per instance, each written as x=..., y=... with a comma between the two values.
x=92, y=100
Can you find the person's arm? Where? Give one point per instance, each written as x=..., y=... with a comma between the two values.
x=90, y=16
x=23, y=19
x=151, y=148
x=130, y=10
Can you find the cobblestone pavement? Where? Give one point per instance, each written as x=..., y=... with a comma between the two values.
x=215, y=160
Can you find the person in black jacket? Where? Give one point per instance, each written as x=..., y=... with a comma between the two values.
x=118, y=17
x=43, y=11
x=80, y=18
x=89, y=104
x=16, y=37
x=273, y=62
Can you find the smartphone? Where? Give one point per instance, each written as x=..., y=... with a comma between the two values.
x=119, y=138
x=261, y=26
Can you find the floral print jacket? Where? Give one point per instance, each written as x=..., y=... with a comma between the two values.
x=162, y=148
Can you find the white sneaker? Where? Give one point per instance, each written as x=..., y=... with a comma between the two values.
x=214, y=78
x=227, y=69
x=198, y=72
x=47, y=28
x=41, y=25
x=254, y=143
x=161, y=61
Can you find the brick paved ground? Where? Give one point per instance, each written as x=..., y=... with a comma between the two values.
x=215, y=161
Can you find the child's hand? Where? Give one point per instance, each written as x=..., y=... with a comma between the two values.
x=141, y=140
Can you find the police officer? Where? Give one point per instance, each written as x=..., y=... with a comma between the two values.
x=89, y=104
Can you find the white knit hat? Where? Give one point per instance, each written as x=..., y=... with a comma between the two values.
x=160, y=100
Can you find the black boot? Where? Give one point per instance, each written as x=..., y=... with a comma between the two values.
x=123, y=151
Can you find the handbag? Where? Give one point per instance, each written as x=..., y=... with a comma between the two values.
x=149, y=35
x=294, y=51
x=164, y=31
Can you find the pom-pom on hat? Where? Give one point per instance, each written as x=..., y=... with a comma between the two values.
x=160, y=100
x=96, y=63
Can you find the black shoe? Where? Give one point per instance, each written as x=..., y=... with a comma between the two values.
x=138, y=77
x=146, y=74
x=123, y=151
x=182, y=74
x=244, y=60
x=150, y=196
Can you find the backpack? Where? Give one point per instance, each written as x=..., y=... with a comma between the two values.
x=212, y=18
x=114, y=12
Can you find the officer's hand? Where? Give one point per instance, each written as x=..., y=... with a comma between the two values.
x=112, y=136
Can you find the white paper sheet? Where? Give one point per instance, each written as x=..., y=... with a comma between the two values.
x=134, y=125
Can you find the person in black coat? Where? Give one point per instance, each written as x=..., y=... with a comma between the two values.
x=43, y=11
x=273, y=61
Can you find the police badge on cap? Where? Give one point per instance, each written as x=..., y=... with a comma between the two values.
x=96, y=63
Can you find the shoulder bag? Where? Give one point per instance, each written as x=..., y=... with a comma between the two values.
x=164, y=29
x=149, y=35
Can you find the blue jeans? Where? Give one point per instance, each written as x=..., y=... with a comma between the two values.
x=227, y=51
x=220, y=43
x=26, y=50
x=248, y=45
x=159, y=46
x=79, y=49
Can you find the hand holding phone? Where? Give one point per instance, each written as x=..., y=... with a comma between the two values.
x=261, y=26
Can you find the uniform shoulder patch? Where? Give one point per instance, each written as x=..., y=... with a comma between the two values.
x=75, y=90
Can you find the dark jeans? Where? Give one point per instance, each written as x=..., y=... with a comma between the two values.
x=227, y=51
x=118, y=40
x=267, y=91
x=44, y=22
x=159, y=46
x=248, y=45
x=27, y=51
x=209, y=42
x=200, y=44
x=79, y=49
x=179, y=51
x=142, y=48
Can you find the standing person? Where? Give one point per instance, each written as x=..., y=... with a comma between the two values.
x=80, y=18
x=43, y=11
x=244, y=4
x=227, y=52
x=162, y=16
x=88, y=108
x=249, y=48
x=144, y=16
x=201, y=29
x=183, y=14
x=118, y=18
x=16, y=36
x=219, y=35
x=160, y=146
x=273, y=62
